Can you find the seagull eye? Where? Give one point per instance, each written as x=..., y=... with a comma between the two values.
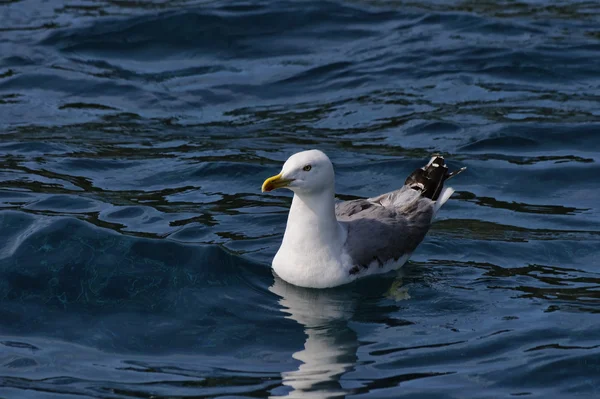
x=307, y=168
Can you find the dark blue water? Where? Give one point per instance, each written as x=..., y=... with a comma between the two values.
x=135, y=243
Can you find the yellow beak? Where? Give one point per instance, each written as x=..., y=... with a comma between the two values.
x=275, y=182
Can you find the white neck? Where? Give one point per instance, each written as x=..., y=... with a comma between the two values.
x=311, y=251
x=314, y=216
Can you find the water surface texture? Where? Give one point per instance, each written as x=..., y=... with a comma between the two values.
x=135, y=244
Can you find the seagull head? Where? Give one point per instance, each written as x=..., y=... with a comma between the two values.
x=306, y=172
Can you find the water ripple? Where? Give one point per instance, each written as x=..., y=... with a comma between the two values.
x=135, y=242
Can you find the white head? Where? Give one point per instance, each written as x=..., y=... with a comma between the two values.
x=306, y=172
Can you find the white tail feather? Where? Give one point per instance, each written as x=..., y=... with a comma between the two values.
x=444, y=196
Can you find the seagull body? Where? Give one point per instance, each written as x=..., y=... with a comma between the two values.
x=327, y=244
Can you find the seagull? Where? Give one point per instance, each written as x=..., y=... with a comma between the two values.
x=327, y=244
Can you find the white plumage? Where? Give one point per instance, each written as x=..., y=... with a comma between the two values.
x=327, y=244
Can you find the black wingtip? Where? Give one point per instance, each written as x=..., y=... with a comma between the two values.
x=430, y=178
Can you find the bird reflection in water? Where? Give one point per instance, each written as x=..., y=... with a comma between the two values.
x=331, y=345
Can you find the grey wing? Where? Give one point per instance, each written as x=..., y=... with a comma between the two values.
x=385, y=227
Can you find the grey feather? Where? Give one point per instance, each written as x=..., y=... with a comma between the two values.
x=385, y=227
